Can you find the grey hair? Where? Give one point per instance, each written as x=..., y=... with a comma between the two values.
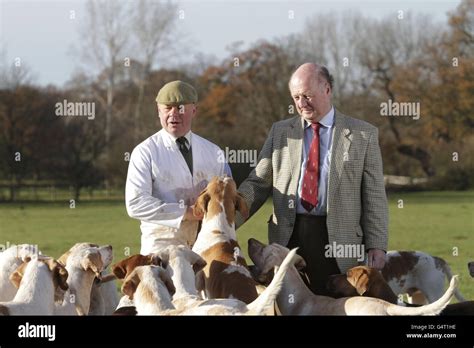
x=323, y=74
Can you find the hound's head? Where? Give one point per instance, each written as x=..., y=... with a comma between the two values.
x=88, y=257
x=356, y=282
x=174, y=253
x=219, y=196
x=267, y=257
x=59, y=273
x=125, y=267
x=151, y=273
x=78, y=246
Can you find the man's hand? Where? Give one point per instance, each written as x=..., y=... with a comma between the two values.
x=376, y=258
x=189, y=214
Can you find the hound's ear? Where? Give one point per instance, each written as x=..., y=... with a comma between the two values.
x=200, y=208
x=63, y=258
x=16, y=278
x=300, y=263
x=119, y=270
x=199, y=265
x=162, y=258
x=157, y=260
x=164, y=276
x=196, y=261
x=200, y=281
x=60, y=274
x=360, y=280
x=130, y=284
x=92, y=261
x=241, y=206
x=17, y=275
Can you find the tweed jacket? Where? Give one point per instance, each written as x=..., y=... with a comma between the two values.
x=357, y=209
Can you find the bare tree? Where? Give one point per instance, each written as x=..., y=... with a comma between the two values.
x=14, y=74
x=104, y=38
x=333, y=40
x=389, y=46
x=152, y=25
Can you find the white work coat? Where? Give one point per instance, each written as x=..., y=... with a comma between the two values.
x=160, y=187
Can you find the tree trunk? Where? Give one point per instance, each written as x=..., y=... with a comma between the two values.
x=419, y=154
x=77, y=192
x=136, y=131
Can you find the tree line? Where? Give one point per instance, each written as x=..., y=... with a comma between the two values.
x=402, y=60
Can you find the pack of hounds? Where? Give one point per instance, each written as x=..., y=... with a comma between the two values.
x=213, y=278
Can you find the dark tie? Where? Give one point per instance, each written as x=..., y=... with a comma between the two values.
x=309, y=193
x=186, y=152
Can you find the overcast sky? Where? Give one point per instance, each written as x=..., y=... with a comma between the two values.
x=41, y=33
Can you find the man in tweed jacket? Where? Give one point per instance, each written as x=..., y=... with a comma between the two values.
x=352, y=200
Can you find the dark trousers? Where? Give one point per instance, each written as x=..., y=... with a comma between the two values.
x=310, y=234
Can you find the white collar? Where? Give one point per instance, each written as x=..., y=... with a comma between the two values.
x=171, y=139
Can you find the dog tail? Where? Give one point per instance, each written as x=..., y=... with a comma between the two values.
x=431, y=309
x=264, y=303
x=447, y=272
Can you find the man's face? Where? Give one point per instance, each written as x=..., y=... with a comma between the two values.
x=312, y=97
x=176, y=119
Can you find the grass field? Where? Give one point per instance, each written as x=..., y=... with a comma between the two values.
x=440, y=223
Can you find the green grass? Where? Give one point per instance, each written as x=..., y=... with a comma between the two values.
x=439, y=223
x=55, y=227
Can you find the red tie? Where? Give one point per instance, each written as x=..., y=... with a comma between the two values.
x=309, y=193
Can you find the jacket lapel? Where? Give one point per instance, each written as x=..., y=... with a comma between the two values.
x=295, y=146
x=342, y=140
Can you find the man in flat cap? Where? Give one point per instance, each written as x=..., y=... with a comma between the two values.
x=168, y=170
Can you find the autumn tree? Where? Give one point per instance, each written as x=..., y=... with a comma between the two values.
x=29, y=128
x=245, y=94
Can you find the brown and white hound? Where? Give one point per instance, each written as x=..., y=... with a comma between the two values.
x=295, y=297
x=369, y=282
x=417, y=274
x=226, y=274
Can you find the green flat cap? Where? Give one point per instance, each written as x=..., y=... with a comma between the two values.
x=177, y=93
